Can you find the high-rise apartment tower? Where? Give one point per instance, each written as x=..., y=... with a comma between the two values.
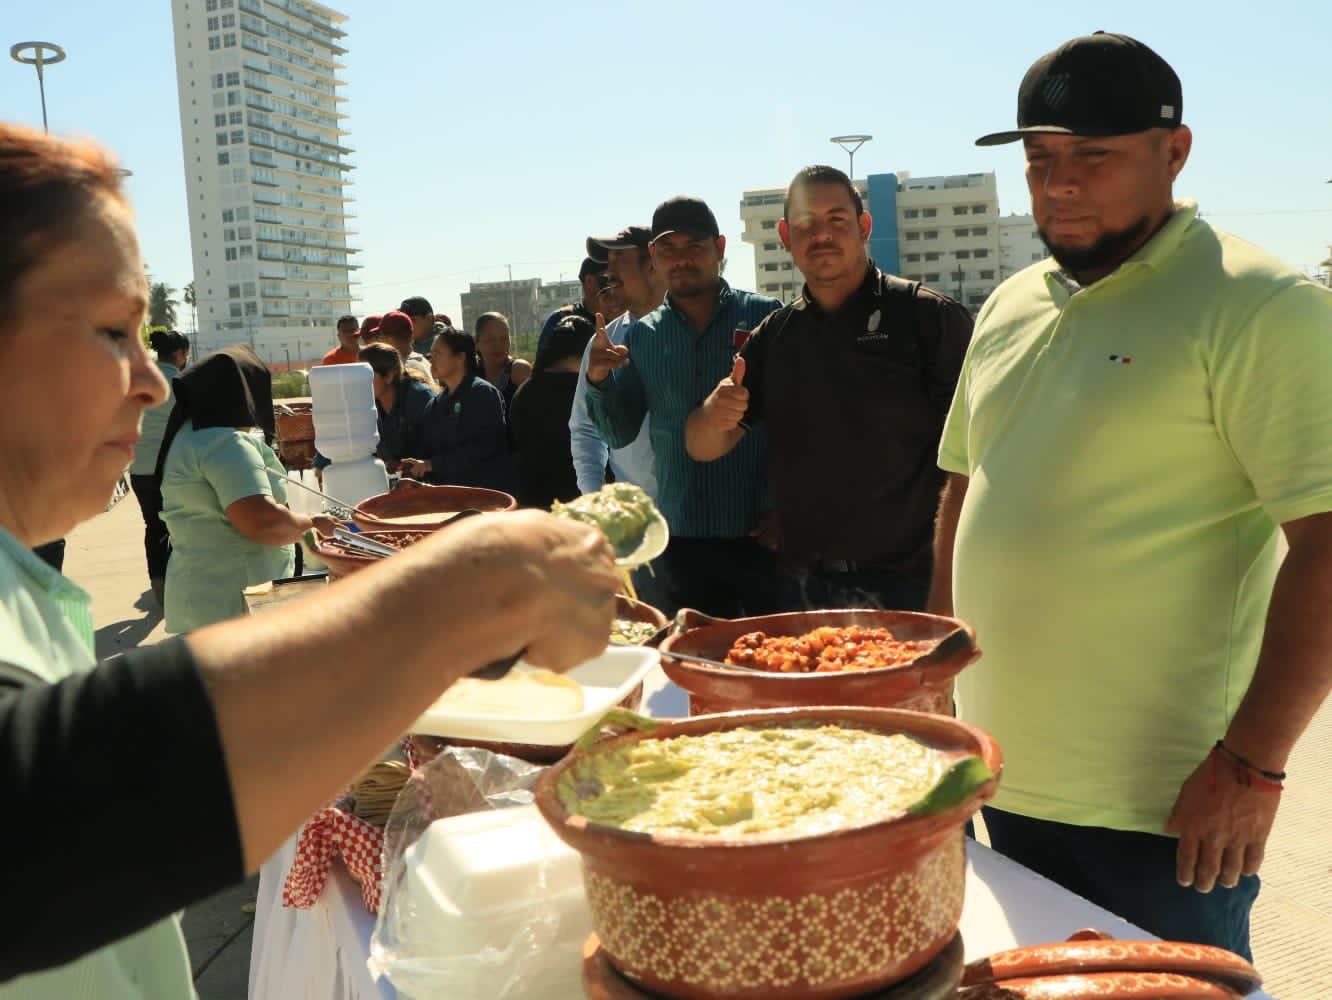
x=266, y=171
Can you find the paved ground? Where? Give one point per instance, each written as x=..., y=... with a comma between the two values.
x=1292, y=932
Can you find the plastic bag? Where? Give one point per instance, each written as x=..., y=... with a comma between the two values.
x=513, y=960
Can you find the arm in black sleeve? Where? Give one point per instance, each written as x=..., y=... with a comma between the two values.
x=755, y=351
x=117, y=805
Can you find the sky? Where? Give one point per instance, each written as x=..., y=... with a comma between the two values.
x=497, y=135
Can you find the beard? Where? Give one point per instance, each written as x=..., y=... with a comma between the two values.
x=1107, y=252
x=690, y=283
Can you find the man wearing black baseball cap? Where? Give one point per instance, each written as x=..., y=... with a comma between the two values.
x=1139, y=421
x=679, y=352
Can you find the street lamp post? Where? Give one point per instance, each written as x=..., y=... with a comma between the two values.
x=851, y=143
x=38, y=54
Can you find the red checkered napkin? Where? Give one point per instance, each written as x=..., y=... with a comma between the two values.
x=334, y=831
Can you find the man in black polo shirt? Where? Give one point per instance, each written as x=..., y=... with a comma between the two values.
x=854, y=380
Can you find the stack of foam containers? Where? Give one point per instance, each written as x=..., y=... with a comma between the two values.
x=347, y=432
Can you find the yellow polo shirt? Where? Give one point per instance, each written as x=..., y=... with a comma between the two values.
x=1132, y=448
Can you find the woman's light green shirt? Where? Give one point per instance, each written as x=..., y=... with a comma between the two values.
x=211, y=562
x=46, y=631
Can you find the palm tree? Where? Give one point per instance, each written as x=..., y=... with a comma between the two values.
x=161, y=305
x=193, y=303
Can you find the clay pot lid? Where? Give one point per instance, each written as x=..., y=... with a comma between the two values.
x=1103, y=986
x=1083, y=954
x=937, y=981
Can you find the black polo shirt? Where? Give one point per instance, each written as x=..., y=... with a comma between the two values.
x=854, y=403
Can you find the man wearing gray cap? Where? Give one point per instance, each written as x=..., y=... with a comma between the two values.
x=670, y=360
x=1139, y=421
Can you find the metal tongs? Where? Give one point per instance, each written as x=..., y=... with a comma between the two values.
x=367, y=546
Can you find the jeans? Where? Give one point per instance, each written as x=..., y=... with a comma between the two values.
x=1129, y=873
x=722, y=577
x=156, y=544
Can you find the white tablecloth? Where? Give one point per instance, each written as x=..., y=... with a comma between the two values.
x=320, y=954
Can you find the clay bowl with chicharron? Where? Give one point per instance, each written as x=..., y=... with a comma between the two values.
x=924, y=684
x=836, y=914
x=414, y=506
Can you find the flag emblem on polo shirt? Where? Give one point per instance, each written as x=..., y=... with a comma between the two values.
x=1120, y=359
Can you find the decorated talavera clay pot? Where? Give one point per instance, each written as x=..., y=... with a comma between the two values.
x=832, y=915
x=413, y=498
x=923, y=685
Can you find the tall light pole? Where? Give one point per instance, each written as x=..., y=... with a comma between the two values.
x=38, y=54
x=851, y=143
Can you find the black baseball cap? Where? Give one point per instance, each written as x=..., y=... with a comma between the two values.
x=684, y=214
x=591, y=265
x=417, y=305
x=626, y=239
x=1096, y=85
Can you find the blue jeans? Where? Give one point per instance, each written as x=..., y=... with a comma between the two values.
x=1131, y=874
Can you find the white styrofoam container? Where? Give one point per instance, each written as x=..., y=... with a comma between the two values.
x=484, y=884
x=606, y=679
x=345, y=418
x=356, y=480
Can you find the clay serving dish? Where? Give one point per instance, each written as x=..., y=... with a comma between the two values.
x=627, y=607
x=1104, y=967
x=341, y=563
x=411, y=498
x=427, y=747
x=833, y=915
x=924, y=684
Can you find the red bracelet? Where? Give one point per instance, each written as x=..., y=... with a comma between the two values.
x=1247, y=776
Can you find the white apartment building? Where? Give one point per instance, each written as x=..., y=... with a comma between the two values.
x=1019, y=244
x=943, y=231
x=948, y=234
x=266, y=172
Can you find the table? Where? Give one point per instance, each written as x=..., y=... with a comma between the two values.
x=321, y=953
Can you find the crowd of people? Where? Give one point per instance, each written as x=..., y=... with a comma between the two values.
x=1097, y=478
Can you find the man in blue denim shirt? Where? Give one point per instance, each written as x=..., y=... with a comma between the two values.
x=669, y=362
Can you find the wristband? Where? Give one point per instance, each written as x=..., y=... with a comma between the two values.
x=1277, y=776
x=1243, y=773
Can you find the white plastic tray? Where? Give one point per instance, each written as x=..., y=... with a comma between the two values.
x=606, y=680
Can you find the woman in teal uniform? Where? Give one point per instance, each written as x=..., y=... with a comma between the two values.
x=224, y=491
x=172, y=349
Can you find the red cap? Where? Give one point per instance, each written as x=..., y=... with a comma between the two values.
x=395, y=324
x=370, y=325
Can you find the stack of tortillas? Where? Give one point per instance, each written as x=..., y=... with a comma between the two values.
x=374, y=792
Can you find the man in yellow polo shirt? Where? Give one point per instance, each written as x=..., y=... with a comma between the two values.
x=1139, y=421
